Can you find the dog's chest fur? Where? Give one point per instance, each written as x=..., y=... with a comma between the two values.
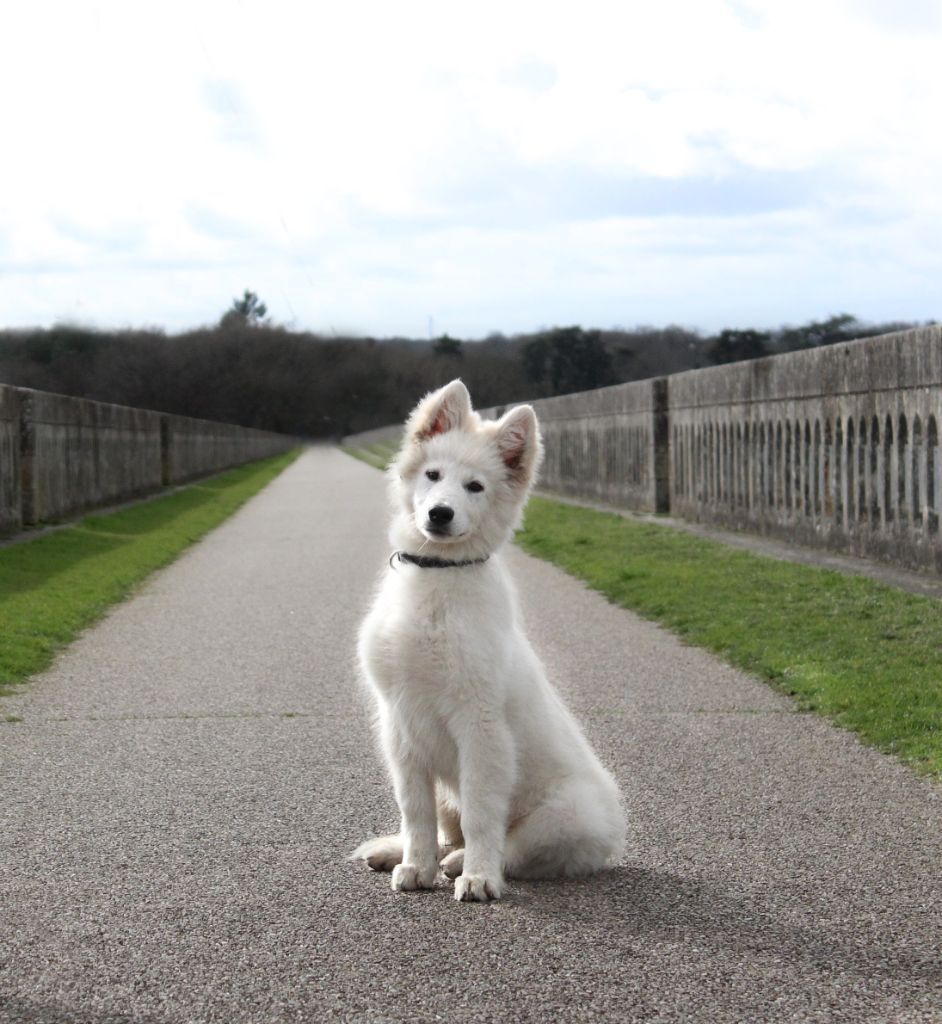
x=435, y=639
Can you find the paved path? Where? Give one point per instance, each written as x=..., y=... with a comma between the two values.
x=178, y=799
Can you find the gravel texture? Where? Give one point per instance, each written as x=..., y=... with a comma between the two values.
x=178, y=799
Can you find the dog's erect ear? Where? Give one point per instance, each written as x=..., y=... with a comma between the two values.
x=449, y=408
x=518, y=441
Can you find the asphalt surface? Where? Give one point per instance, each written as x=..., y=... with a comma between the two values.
x=179, y=797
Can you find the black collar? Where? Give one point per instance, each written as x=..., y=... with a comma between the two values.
x=427, y=562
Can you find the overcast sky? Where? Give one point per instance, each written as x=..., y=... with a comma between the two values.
x=395, y=167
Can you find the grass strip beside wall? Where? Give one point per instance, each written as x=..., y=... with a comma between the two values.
x=866, y=655
x=57, y=584
x=379, y=455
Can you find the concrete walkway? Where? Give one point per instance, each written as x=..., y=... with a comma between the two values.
x=178, y=800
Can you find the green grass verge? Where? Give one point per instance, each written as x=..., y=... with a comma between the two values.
x=55, y=585
x=867, y=656
x=379, y=455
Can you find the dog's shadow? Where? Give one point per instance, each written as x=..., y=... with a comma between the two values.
x=635, y=908
x=644, y=908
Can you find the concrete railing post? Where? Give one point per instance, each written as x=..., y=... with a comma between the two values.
x=11, y=494
x=27, y=459
x=662, y=449
x=165, y=450
x=61, y=455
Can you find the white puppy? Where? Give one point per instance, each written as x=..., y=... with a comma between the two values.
x=484, y=757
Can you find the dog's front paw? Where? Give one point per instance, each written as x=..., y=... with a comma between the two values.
x=407, y=877
x=478, y=888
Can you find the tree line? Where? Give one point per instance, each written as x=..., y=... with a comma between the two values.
x=249, y=371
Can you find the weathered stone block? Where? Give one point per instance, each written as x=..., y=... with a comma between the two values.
x=10, y=493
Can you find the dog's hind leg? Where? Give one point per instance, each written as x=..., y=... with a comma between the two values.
x=453, y=864
x=449, y=823
x=576, y=831
x=380, y=854
x=450, y=836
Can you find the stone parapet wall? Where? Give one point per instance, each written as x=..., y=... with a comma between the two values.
x=834, y=447
x=606, y=445
x=76, y=454
x=60, y=456
x=194, y=448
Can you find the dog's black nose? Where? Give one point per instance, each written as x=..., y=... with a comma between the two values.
x=440, y=515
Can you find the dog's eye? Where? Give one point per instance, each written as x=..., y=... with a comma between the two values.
x=433, y=474
x=474, y=487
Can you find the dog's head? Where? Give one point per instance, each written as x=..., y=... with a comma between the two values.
x=460, y=482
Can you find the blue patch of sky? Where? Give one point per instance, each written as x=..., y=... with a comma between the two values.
x=582, y=194
x=538, y=195
x=236, y=123
x=532, y=75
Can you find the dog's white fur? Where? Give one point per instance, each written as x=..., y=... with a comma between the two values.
x=484, y=757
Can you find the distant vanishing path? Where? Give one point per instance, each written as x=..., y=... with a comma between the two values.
x=177, y=803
